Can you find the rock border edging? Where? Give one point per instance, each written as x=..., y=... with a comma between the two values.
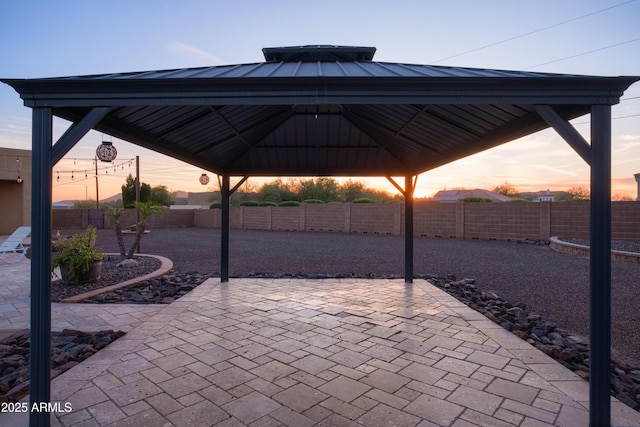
x=165, y=267
x=573, y=248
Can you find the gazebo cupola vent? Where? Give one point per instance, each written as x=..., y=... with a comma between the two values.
x=314, y=53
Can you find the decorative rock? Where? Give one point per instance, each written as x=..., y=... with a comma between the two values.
x=128, y=263
x=491, y=296
x=69, y=348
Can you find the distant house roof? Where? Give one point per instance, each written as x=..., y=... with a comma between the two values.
x=60, y=205
x=542, y=193
x=455, y=195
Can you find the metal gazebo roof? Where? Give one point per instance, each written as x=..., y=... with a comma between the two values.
x=323, y=110
x=320, y=110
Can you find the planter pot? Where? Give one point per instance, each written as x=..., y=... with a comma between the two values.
x=91, y=275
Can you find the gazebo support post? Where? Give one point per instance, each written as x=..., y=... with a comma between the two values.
x=226, y=193
x=600, y=264
x=407, y=192
x=409, y=185
x=224, y=230
x=40, y=350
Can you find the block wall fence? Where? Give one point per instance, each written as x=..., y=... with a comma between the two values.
x=500, y=221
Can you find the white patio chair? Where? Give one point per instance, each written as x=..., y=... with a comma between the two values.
x=12, y=249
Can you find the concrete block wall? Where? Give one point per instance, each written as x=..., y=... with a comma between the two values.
x=69, y=219
x=506, y=220
x=499, y=221
x=207, y=218
x=286, y=218
x=374, y=218
x=626, y=217
x=571, y=219
x=172, y=219
x=256, y=219
x=324, y=217
x=432, y=219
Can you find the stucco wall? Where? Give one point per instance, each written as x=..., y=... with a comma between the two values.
x=15, y=197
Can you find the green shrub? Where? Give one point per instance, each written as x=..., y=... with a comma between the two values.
x=314, y=201
x=363, y=200
x=267, y=204
x=475, y=199
x=289, y=203
x=249, y=203
x=216, y=205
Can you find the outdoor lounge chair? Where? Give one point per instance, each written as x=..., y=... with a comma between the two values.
x=12, y=249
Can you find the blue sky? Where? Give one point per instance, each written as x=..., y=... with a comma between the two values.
x=64, y=38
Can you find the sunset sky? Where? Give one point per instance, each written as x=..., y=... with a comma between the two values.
x=41, y=38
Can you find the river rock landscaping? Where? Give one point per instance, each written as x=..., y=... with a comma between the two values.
x=68, y=348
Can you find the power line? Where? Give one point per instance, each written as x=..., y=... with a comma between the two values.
x=535, y=31
x=583, y=53
x=612, y=118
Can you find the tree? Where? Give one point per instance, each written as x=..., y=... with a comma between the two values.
x=129, y=192
x=160, y=195
x=622, y=197
x=322, y=188
x=325, y=189
x=579, y=193
x=84, y=204
x=352, y=190
x=573, y=194
x=276, y=191
x=506, y=189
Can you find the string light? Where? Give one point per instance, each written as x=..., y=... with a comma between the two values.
x=61, y=173
x=19, y=180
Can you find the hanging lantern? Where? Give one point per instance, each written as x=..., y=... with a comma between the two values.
x=106, y=152
x=204, y=179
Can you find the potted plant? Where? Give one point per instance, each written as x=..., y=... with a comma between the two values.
x=78, y=259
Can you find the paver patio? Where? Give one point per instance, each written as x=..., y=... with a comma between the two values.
x=341, y=352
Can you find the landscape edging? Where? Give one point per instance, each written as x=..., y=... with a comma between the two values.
x=573, y=248
x=165, y=267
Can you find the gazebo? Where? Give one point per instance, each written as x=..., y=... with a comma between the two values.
x=322, y=111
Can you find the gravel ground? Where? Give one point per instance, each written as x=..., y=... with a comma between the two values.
x=534, y=274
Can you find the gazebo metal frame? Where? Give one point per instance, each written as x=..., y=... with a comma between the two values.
x=323, y=111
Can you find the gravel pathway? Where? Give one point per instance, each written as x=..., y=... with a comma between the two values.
x=552, y=284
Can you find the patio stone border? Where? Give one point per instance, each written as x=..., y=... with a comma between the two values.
x=573, y=248
x=165, y=267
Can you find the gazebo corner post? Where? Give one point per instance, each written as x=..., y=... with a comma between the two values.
x=224, y=229
x=40, y=350
x=409, y=186
x=600, y=266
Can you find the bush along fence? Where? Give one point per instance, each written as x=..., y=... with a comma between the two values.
x=461, y=220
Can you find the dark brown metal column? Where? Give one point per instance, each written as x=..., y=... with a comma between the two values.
x=224, y=230
x=39, y=369
x=600, y=264
x=408, y=229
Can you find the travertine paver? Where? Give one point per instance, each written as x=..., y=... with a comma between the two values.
x=308, y=352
